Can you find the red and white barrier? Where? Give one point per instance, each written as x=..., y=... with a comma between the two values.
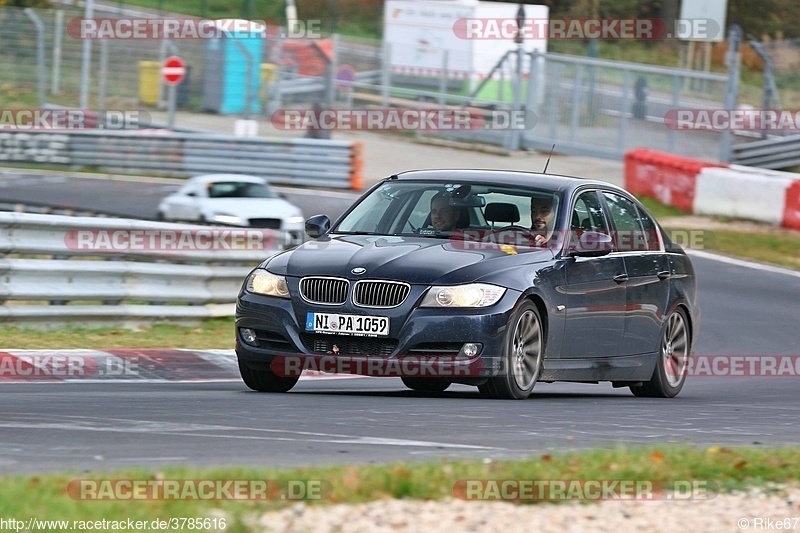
x=743, y=192
x=708, y=188
x=791, y=210
x=668, y=178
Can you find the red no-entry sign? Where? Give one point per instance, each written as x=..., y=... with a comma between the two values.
x=173, y=70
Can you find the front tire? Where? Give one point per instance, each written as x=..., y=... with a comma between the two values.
x=669, y=375
x=265, y=380
x=426, y=384
x=523, y=356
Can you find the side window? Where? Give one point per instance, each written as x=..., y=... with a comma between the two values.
x=629, y=236
x=588, y=213
x=651, y=232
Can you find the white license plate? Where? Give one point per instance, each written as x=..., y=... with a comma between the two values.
x=357, y=325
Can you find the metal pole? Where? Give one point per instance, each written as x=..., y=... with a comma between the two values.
x=676, y=102
x=732, y=90
x=171, y=90
x=101, y=97
x=58, y=35
x=330, y=72
x=386, y=77
x=86, y=60
x=576, y=103
x=443, y=79
x=39, y=53
x=623, y=116
x=515, y=134
x=162, y=55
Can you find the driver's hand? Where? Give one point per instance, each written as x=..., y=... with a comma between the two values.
x=540, y=240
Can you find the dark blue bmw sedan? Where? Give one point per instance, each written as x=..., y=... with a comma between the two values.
x=495, y=279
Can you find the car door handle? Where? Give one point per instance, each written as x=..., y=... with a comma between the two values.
x=664, y=274
x=621, y=278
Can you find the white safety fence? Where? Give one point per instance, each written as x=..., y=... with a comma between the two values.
x=57, y=270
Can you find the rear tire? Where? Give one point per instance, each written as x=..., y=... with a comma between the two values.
x=523, y=356
x=265, y=380
x=675, y=350
x=426, y=384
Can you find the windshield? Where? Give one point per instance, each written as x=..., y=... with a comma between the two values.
x=238, y=189
x=451, y=210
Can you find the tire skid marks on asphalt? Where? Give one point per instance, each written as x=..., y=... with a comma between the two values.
x=125, y=365
x=182, y=429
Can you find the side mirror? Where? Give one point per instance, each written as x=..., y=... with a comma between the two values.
x=317, y=226
x=592, y=244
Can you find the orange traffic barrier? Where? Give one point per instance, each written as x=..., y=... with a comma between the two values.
x=357, y=166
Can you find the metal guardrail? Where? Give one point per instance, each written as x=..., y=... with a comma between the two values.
x=46, y=280
x=783, y=152
x=53, y=209
x=312, y=162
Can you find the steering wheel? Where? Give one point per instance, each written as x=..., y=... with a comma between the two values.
x=512, y=227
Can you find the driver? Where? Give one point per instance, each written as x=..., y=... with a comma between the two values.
x=444, y=217
x=542, y=214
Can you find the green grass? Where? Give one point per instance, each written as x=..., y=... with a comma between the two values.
x=212, y=334
x=775, y=246
x=46, y=497
x=659, y=210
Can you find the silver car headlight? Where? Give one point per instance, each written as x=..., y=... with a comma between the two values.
x=263, y=282
x=470, y=295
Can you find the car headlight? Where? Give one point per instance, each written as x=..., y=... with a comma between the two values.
x=263, y=282
x=295, y=220
x=471, y=295
x=225, y=218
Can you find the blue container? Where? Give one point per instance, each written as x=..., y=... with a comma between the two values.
x=225, y=73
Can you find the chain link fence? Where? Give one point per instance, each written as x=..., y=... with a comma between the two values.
x=582, y=105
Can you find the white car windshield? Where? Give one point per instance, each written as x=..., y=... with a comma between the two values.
x=238, y=189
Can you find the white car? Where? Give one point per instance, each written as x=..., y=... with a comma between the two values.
x=233, y=200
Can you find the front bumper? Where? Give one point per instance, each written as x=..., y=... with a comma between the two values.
x=420, y=339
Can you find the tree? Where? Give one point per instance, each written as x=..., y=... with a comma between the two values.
x=26, y=3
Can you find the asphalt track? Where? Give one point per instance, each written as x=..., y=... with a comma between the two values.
x=98, y=426
x=136, y=199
